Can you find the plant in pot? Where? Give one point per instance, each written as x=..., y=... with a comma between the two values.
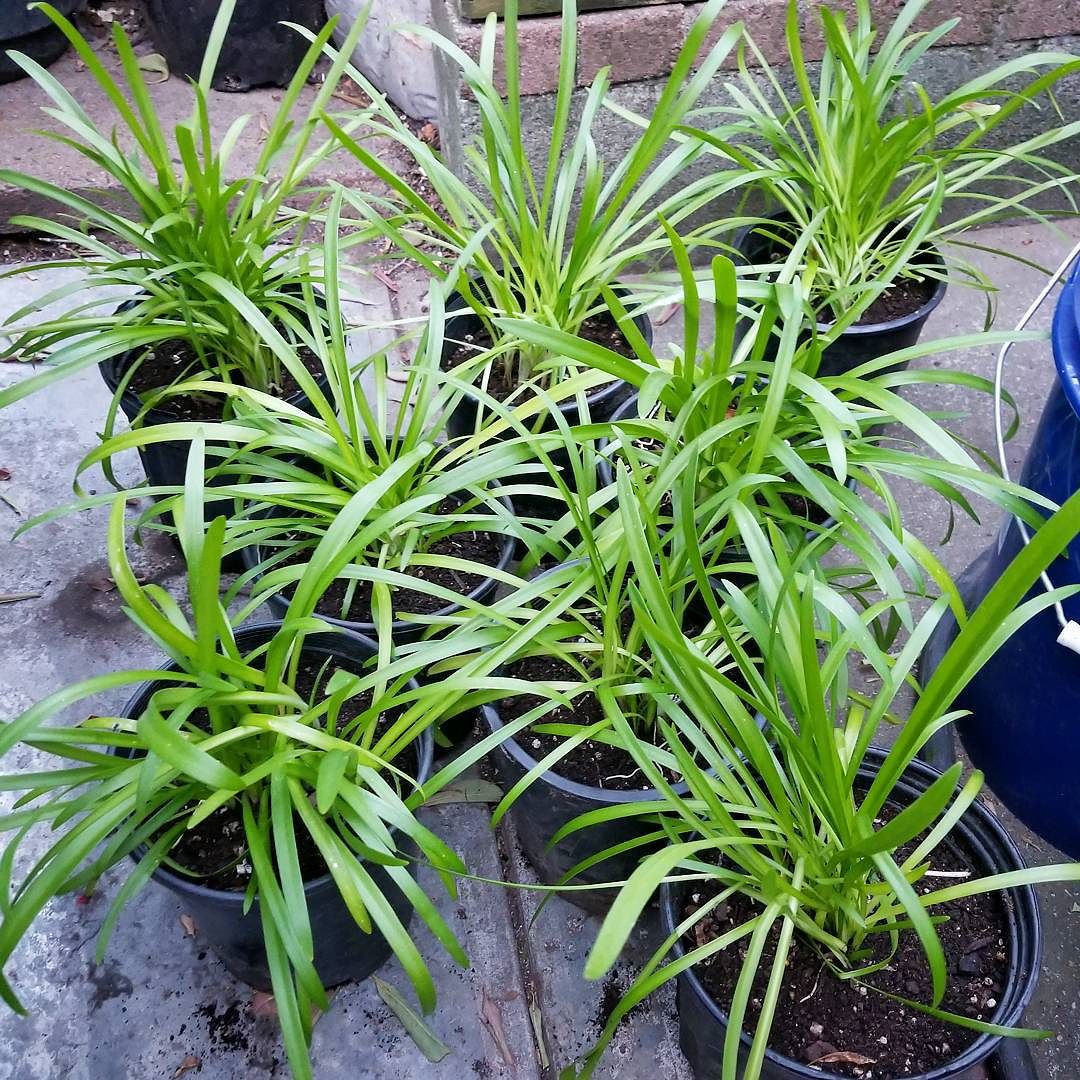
x=422, y=530
x=876, y=186
x=198, y=250
x=267, y=775
x=831, y=907
x=568, y=637
x=511, y=237
x=719, y=423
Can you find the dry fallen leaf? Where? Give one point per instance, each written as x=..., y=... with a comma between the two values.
x=189, y=1063
x=17, y=597
x=101, y=583
x=386, y=279
x=156, y=65
x=667, y=314
x=843, y=1057
x=263, y=1004
x=492, y=1019
x=5, y=474
x=430, y=134
x=188, y=923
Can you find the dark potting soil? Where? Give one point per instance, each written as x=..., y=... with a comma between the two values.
x=169, y=362
x=600, y=328
x=482, y=548
x=819, y=1016
x=904, y=297
x=216, y=853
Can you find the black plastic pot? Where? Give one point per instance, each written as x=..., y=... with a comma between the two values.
x=549, y=803
x=703, y=1024
x=602, y=403
x=166, y=463
x=31, y=32
x=343, y=952
x=857, y=344
x=402, y=630
x=258, y=50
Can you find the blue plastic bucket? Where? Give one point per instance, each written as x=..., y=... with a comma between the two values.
x=1023, y=730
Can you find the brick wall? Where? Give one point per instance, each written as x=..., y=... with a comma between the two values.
x=642, y=43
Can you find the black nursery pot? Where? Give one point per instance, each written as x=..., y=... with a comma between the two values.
x=860, y=343
x=703, y=1024
x=602, y=403
x=31, y=32
x=258, y=50
x=549, y=803
x=165, y=463
x=343, y=952
x=402, y=630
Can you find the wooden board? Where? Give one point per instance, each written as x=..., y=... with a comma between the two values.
x=478, y=9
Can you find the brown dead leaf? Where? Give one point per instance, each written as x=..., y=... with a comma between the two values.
x=430, y=134
x=101, y=583
x=667, y=314
x=263, y=1004
x=386, y=279
x=492, y=1020
x=5, y=474
x=843, y=1057
x=188, y=923
x=189, y=1063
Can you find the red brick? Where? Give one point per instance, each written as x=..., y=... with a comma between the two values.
x=538, y=44
x=638, y=43
x=1027, y=19
x=765, y=19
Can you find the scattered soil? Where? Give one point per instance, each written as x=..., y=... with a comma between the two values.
x=482, y=548
x=820, y=1015
x=171, y=361
x=216, y=852
x=600, y=328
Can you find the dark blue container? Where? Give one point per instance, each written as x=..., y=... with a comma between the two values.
x=1024, y=727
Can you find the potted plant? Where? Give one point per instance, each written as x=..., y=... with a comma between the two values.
x=721, y=423
x=509, y=238
x=829, y=905
x=205, y=258
x=422, y=527
x=267, y=774
x=860, y=163
x=569, y=640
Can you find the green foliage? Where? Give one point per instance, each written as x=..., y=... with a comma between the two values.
x=198, y=237
x=862, y=160
x=506, y=235
x=777, y=813
x=225, y=727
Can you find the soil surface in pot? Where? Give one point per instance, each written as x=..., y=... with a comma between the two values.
x=600, y=328
x=904, y=297
x=593, y=763
x=819, y=1016
x=169, y=362
x=215, y=852
x=482, y=548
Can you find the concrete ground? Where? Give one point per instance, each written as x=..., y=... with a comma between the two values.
x=162, y=1005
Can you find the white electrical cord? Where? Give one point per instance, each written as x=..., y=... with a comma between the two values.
x=1070, y=630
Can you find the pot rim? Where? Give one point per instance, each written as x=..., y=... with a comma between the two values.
x=862, y=329
x=112, y=368
x=606, y=796
x=1023, y=971
x=279, y=603
x=457, y=308
x=424, y=744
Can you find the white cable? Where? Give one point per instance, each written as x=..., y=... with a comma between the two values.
x=1070, y=631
